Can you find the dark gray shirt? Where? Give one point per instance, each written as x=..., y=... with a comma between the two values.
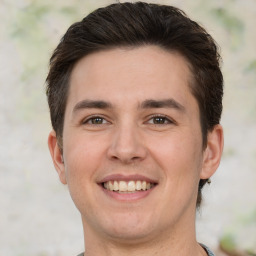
x=210, y=253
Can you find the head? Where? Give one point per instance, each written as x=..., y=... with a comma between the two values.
x=133, y=25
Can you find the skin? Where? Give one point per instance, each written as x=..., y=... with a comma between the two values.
x=132, y=136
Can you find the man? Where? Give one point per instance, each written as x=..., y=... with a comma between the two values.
x=135, y=96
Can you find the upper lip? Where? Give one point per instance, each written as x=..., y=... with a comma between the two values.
x=121, y=177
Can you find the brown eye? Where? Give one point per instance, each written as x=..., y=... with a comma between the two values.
x=95, y=121
x=159, y=120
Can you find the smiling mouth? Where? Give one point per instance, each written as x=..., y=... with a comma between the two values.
x=128, y=186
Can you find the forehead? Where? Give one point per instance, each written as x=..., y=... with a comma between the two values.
x=132, y=74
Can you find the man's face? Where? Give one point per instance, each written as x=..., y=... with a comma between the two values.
x=132, y=143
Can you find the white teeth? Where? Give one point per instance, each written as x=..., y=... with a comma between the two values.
x=144, y=185
x=130, y=186
x=116, y=187
x=111, y=186
x=122, y=186
x=138, y=185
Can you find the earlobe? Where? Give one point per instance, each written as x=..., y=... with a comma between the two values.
x=213, y=152
x=57, y=157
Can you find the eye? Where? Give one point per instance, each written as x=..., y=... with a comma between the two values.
x=96, y=120
x=159, y=120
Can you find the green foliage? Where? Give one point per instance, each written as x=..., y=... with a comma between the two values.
x=235, y=238
x=31, y=31
x=228, y=152
x=67, y=10
x=228, y=243
x=229, y=21
x=232, y=24
x=28, y=34
x=251, y=66
x=249, y=218
x=28, y=19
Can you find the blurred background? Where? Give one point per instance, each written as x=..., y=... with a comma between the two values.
x=37, y=216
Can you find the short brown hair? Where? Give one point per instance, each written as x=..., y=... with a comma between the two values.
x=138, y=24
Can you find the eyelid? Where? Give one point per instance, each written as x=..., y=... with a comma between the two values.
x=89, y=118
x=106, y=121
x=170, y=120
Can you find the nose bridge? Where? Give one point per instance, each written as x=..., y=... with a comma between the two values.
x=127, y=142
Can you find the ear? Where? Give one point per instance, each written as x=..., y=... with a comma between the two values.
x=57, y=157
x=213, y=152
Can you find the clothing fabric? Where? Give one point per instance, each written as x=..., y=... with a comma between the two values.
x=209, y=252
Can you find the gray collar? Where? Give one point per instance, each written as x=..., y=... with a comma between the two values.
x=210, y=253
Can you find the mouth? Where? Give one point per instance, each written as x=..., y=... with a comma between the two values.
x=131, y=186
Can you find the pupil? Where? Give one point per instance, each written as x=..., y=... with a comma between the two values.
x=159, y=120
x=97, y=120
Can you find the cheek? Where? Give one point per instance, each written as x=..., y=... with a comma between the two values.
x=82, y=156
x=179, y=155
x=180, y=159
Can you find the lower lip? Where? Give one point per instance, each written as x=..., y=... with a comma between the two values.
x=127, y=196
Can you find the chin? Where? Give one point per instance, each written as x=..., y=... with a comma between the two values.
x=130, y=236
x=129, y=229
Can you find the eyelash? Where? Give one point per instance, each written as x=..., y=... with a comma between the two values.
x=90, y=119
x=169, y=121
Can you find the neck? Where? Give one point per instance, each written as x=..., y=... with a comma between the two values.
x=179, y=241
x=153, y=249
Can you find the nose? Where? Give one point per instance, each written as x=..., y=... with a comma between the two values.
x=127, y=145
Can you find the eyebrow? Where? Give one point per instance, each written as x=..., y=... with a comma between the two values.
x=147, y=104
x=92, y=104
x=166, y=103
